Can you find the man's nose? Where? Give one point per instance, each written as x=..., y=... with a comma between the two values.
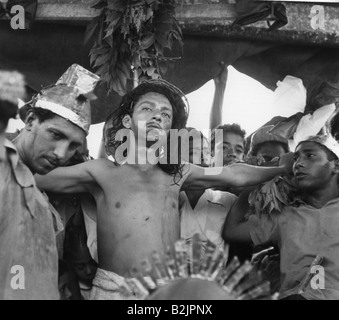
x=157, y=116
x=298, y=163
x=88, y=270
x=231, y=151
x=61, y=150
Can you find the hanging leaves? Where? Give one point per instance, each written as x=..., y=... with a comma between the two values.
x=272, y=196
x=131, y=36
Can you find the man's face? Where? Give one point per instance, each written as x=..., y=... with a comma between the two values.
x=312, y=169
x=85, y=268
x=51, y=143
x=199, y=153
x=152, y=115
x=270, y=150
x=231, y=149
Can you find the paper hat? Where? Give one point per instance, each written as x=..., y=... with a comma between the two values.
x=69, y=97
x=262, y=135
x=325, y=140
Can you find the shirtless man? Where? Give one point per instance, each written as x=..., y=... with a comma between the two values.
x=138, y=203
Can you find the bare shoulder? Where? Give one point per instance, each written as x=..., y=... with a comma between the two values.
x=101, y=166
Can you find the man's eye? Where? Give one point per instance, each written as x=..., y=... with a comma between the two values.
x=56, y=135
x=167, y=115
x=146, y=108
x=73, y=147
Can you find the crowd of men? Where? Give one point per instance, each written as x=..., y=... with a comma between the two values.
x=157, y=189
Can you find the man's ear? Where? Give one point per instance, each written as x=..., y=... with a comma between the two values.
x=30, y=119
x=127, y=121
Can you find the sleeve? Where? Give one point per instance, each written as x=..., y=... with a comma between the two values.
x=264, y=229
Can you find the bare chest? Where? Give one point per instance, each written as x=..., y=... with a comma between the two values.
x=132, y=192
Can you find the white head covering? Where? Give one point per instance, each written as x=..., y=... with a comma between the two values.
x=325, y=140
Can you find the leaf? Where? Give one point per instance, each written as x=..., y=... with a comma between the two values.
x=268, y=200
x=113, y=18
x=117, y=5
x=147, y=41
x=114, y=55
x=92, y=59
x=103, y=70
x=110, y=41
x=132, y=32
x=102, y=60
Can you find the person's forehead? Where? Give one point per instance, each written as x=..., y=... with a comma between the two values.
x=156, y=98
x=66, y=127
x=233, y=138
x=308, y=145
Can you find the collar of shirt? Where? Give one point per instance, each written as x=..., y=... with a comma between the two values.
x=22, y=174
x=13, y=155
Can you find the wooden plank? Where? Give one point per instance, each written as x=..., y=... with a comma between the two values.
x=64, y=10
x=308, y=23
x=311, y=23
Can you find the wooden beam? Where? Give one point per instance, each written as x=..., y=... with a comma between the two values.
x=65, y=10
x=308, y=23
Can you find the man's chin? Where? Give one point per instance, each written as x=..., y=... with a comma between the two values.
x=229, y=162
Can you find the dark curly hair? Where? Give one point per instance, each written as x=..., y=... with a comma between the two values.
x=114, y=121
x=228, y=128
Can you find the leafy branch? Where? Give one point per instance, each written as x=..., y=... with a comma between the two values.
x=130, y=38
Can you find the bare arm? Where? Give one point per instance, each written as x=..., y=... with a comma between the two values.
x=235, y=175
x=236, y=229
x=73, y=179
x=218, y=99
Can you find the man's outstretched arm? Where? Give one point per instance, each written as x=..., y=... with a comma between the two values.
x=235, y=175
x=72, y=179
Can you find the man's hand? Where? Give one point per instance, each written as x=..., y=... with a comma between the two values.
x=287, y=161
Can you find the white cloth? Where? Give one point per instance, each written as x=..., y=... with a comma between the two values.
x=311, y=123
x=289, y=96
x=208, y=216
